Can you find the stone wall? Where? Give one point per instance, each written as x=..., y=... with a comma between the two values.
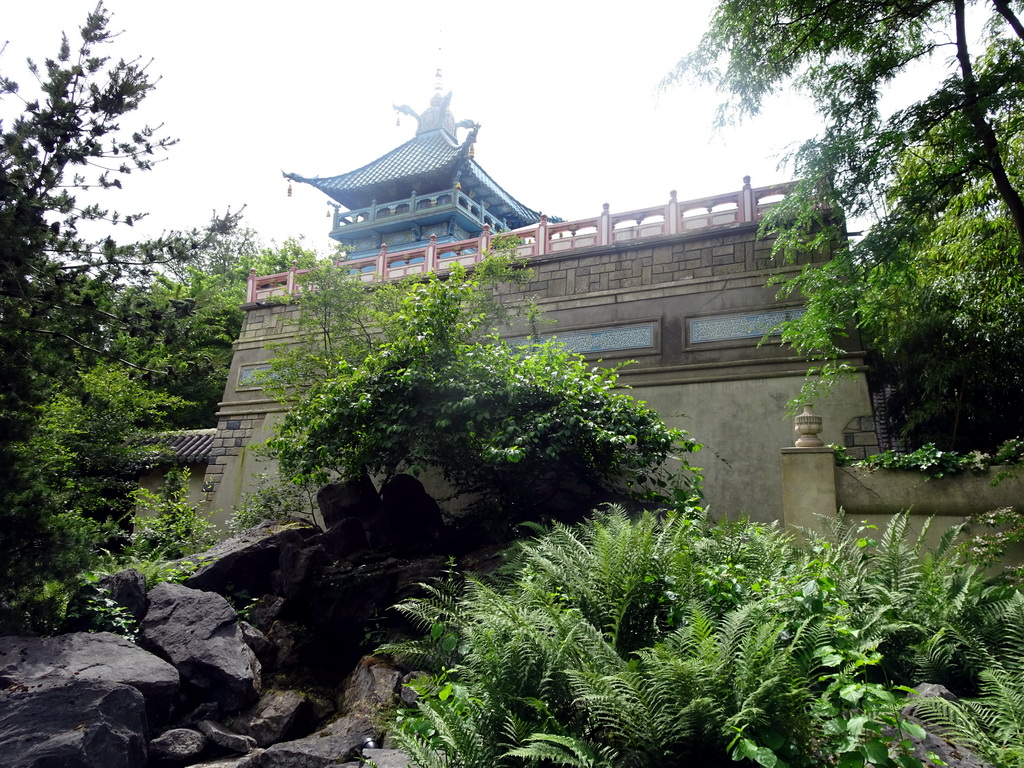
x=814, y=486
x=691, y=310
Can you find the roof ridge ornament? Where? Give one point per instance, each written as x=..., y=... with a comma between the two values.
x=437, y=116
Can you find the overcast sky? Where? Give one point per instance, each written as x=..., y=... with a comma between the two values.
x=566, y=93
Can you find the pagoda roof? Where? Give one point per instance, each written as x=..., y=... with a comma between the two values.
x=430, y=162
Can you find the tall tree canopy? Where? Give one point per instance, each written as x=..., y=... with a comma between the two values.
x=936, y=284
x=74, y=297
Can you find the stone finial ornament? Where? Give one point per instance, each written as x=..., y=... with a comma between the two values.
x=808, y=426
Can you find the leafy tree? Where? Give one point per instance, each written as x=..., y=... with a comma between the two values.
x=341, y=319
x=61, y=307
x=935, y=284
x=85, y=447
x=514, y=424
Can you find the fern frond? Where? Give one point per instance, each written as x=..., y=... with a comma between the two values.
x=565, y=750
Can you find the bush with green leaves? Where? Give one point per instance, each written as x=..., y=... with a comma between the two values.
x=671, y=641
x=935, y=462
x=167, y=525
x=272, y=501
x=512, y=424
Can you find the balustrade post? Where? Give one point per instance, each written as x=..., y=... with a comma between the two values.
x=382, y=262
x=431, y=264
x=485, y=239
x=289, y=286
x=373, y=210
x=605, y=226
x=250, y=287
x=542, y=235
x=672, y=213
x=748, y=205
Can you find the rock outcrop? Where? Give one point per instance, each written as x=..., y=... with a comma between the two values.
x=198, y=633
x=74, y=724
x=34, y=662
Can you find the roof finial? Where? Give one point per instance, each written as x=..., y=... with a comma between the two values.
x=435, y=101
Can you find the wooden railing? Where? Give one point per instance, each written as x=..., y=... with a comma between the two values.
x=544, y=238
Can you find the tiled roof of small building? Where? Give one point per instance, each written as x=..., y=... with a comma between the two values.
x=187, y=446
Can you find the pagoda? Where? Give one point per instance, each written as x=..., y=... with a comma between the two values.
x=430, y=185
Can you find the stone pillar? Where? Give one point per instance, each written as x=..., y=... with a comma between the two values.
x=808, y=475
x=604, y=227
x=748, y=203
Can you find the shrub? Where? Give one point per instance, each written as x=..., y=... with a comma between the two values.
x=513, y=424
x=167, y=525
x=671, y=641
x=271, y=501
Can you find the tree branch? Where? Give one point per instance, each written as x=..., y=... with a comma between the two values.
x=1004, y=10
x=984, y=131
x=86, y=347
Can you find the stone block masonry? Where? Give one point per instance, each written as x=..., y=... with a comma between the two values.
x=700, y=301
x=233, y=436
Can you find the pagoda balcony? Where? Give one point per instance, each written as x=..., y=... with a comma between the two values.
x=416, y=210
x=542, y=239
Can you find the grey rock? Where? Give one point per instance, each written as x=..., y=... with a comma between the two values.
x=198, y=633
x=264, y=611
x=207, y=710
x=244, y=563
x=410, y=519
x=285, y=645
x=408, y=695
x=297, y=560
x=252, y=760
x=388, y=758
x=178, y=745
x=348, y=595
x=338, y=501
x=953, y=755
x=226, y=737
x=336, y=743
x=372, y=686
x=277, y=716
x=258, y=643
x=74, y=724
x=126, y=590
x=35, y=661
x=342, y=539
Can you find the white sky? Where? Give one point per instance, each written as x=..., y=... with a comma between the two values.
x=566, y=92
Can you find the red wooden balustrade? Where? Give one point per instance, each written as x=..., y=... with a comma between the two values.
x=543, y=238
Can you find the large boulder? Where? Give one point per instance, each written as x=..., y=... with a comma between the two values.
x=277, y=716
x=198, y=633
x=177, y=745
x=226, y=737
x=409, y=520
x=39, y=661
x=349, y=597
x=952, y=755
x=372, y=687
x=245, y=564
x=125, y=590
x=333, y=744
x=342, y=500
x=73, y=724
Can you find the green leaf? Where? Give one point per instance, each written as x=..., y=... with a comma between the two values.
x=877, y=751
